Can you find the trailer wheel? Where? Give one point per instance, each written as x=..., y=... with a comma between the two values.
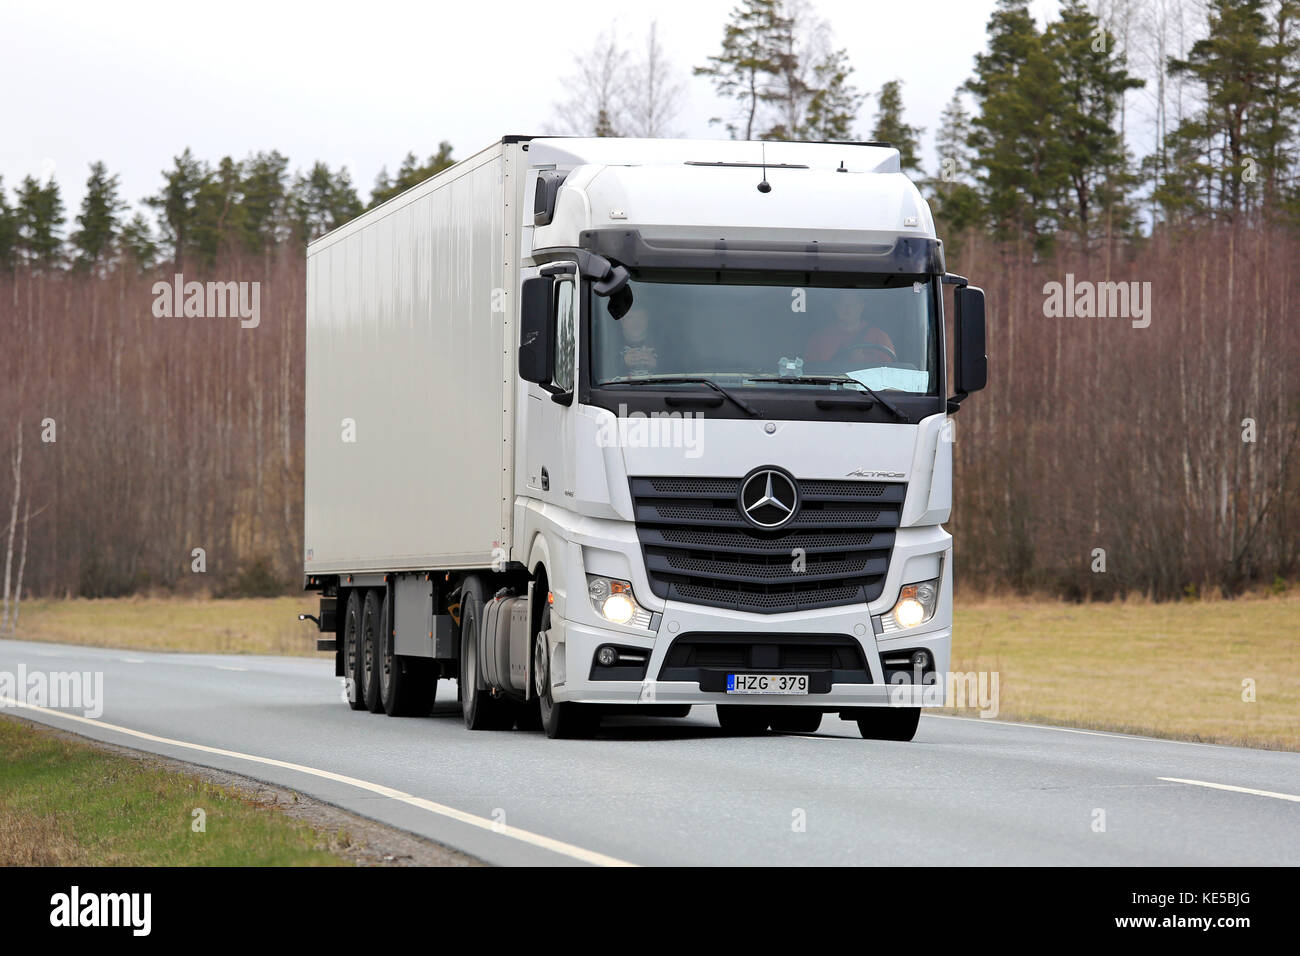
x=480, y=709
x=796, y=720
x=563, y=719
x=889, y=723
x=738, y=719
x=372, y=627
x=352, y=651
x=407, y=685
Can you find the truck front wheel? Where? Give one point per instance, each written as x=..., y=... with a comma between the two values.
x=564, y=719
x=889, y=723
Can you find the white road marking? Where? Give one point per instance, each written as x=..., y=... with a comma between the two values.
x=1223, y=786
x=223, y=667
x=132, y=660
x=492, y=826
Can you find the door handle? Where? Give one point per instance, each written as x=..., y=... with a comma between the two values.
x=546, y=480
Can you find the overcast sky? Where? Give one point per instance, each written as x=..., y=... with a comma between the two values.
x=133, y=83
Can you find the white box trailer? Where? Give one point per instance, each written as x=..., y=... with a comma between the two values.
x=480, y=498
x=410, y=354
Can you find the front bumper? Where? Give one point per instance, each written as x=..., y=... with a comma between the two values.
x=574, y=647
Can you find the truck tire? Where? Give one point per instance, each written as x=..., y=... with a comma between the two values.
x=480, y=710
x=796, y=720
x=889, y=723
x=563, y=719
x=372, y=630
x=738, y=719
x=352, y=651
x=407, y=685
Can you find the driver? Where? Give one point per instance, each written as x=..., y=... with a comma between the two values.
x=851, y=338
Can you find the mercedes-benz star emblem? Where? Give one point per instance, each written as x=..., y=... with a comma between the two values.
x=768, y=498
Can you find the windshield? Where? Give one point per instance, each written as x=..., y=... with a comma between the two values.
x=879, y=332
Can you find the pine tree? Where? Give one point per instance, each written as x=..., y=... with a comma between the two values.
x=1021, y=161
x=264, y=201
x=1093, y=81
x=834, y=104
x=218, y=212
x=1234, y=65
x=39, y=217
x=98, y=221
x=177, y=203
x=322, y=201
x=750, y=57
x=1274, y=136
x=788, y=89
x=137, y=242
x=891, y=128
x=411, y=173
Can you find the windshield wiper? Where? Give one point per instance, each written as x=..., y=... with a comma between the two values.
x=828, y=380
x=695, y=380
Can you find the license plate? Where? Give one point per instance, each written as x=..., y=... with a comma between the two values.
x=767, y=683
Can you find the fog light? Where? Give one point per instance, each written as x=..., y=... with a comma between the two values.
x=920, y=659
x=607, y=656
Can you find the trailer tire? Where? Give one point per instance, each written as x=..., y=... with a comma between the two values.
x=372, y=629
x=352, y=651
x=408, y=686
x=796, y=720
x=889, y=723
x=747, y=721
x=480, y=710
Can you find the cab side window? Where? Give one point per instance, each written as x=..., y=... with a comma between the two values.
x=566, y=327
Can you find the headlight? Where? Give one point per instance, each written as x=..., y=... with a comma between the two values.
x=915, y=606
x=613, y=600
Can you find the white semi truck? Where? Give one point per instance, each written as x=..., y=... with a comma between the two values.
x=608, y=426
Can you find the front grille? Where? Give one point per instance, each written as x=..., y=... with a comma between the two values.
x=699, y=547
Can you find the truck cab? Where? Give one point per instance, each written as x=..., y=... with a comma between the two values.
x=735, y=423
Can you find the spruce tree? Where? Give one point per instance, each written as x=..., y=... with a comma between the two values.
x=891, y=128
x=39, y=218
x=98, y=221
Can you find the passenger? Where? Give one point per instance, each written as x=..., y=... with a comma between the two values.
x=851, y=339
x=639, y=356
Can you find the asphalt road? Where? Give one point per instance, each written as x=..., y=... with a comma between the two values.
x=671, y=792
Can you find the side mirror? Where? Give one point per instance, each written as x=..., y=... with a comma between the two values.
x=537, y=331
x=971, y=363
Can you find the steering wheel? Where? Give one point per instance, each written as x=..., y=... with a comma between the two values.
x=844, y=356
